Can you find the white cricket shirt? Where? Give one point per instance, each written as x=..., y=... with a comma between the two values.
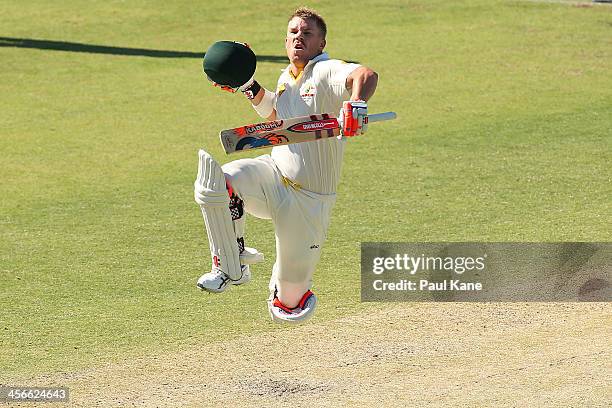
x=320, y=88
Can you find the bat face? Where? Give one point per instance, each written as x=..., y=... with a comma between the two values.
x=261, y=127
x=287, y=131
x=315, y=125
x=262, y=140
x=279, y=132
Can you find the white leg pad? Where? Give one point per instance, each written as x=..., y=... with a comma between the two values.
x=212, y=196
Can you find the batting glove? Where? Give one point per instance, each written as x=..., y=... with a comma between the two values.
x=354, y=118
x=250, y=89
x=226, y=88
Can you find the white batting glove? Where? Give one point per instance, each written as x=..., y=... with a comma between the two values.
x=354, y=118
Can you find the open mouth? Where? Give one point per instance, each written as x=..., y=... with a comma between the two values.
x=298, y=46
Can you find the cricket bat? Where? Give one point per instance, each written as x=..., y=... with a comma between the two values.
x=287, y=131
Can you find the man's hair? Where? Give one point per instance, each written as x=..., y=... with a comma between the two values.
x=308, y=13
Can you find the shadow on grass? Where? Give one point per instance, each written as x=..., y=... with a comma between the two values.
x=105, y=49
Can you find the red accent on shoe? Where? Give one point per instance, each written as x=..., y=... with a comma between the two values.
x=304, y=299
x=300, y=305
x=279, y=304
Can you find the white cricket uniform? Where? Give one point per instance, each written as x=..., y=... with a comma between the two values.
x=295, y=186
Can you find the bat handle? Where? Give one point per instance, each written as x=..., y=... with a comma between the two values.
x=377, y=117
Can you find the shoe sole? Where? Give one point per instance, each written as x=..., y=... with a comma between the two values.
x=204, y=288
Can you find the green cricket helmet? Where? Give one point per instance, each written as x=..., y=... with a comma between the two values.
x=229, y=63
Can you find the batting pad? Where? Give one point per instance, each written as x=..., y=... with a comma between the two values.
x=212, y=196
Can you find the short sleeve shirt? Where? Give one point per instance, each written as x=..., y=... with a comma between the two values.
x=320, y=88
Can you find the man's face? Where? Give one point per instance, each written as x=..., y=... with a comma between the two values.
x=304, y=41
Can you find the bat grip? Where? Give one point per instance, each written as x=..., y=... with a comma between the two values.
x=377, y=117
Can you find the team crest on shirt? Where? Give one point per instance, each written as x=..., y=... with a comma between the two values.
x=308, y=92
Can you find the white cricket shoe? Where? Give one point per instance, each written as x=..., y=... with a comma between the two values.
x=216, y=280
x=299, y=314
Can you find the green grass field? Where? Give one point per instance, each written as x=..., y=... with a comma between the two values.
x=504, y=133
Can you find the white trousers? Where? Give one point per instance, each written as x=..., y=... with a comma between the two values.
x=300, y=217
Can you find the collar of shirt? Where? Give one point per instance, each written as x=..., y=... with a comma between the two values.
x=321, y=57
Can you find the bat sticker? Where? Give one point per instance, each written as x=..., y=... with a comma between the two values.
x=314, y=125
x=253, y=142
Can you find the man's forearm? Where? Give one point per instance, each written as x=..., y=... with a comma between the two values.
x=362, y=83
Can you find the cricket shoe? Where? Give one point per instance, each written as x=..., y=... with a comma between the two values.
x=217, y=281
x=299, y=314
